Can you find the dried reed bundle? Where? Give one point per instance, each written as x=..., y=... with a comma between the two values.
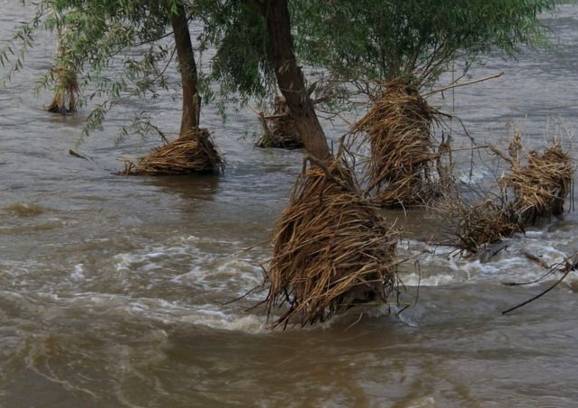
x=542, y=185
x=332, y=249
x=279, y=129
x=66, y=92
x=65, y=98
x=193, y=152
x=530, y=191
x=475, y=226
x=402, y=162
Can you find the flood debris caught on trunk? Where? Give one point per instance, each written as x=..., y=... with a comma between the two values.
x=534, y=187
x=540, y=185
x=192, y=153
x=279, y=128
x=332, y=250
x=403, y=159
x=473, y=227
x=64, y=75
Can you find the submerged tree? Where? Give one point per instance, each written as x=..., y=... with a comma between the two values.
x=97, y=50
x=332, y=249
x=193, y=151
x=65, y=78
x=279, y=129
x=390, y=51
x=243, y=70
x=367, y=42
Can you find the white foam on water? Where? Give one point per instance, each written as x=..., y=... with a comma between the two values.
x=441, y=266
x=211, y=265
x=415, y=279
x=219, y=320
x=424, y=402
x=478, y=175
x=222, y=274
x=78, y=274
x=208, y=315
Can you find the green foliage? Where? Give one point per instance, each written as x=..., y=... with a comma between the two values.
x=122, y=48
x=99, y=38
x=372, y=40
x=14, y=50
x=119, y=48
x=236, y=30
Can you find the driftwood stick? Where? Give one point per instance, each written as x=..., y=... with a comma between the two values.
x=495, y=76
x=569, y=267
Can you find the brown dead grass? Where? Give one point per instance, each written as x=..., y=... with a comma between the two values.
x=279, y=129
x=402, y=163
x=532, y=189
x=332, y=250
x=475, y=226
x=192, y=153
x=541, y=185
x=66, y=94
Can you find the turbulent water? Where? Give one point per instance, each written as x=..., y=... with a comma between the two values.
x=115, y=291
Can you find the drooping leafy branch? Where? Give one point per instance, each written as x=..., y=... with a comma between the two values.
x=377, y=40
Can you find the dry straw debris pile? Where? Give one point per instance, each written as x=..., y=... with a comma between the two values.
x=531, y=190
x=64, y=75
x=65, y=98
x=541, y=186
x=192, y=153
x=402, y=165
x=474, y=226
x=332, y=249
x=279, y=129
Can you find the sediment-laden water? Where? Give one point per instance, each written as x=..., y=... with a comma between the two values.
x=114, y=291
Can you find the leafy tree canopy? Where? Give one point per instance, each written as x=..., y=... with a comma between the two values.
x=120, y=48
x=383, y=39
x=357, y=41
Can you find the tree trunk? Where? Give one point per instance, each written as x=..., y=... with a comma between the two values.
x=291, y=81
x=188, y=69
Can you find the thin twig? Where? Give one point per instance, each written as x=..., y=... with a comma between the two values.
x=570, y=266
x=495, y=76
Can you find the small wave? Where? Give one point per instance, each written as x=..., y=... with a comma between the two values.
x=194, y=263
x=208, y=315
x=24, y=209
x=440, y=266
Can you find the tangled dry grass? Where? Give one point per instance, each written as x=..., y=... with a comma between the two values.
x=332, y=249
x=65, y=98
x=192, y=153
x=541, y=186
x=532, y=189
x=475, y=226
x=64, y=74
x=279, y=129
x=402, y=164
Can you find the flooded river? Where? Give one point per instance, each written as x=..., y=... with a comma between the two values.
x=115, y=291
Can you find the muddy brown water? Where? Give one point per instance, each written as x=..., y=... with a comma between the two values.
x=114, y=290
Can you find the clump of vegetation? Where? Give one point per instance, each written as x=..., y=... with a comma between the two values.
x=192, y=153
x=391, y=52
x=474, y=226
x=542, y=184
x=332, y=250
x=403, y=161
x=66, y=92
x=279, y=129
x=531, y=190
